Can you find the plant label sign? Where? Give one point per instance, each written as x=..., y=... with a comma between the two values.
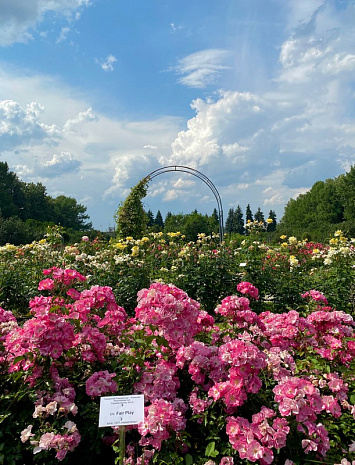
x=121, y=410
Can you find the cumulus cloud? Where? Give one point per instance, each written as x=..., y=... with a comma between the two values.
x=202, y=68
x=23, y=171
x=107, y=63
x=234, y=112
x=76, y=123
x=19, y=18
x=58, y=165
x=22, y=126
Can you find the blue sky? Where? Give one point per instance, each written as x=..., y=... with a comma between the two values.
x=258, y=95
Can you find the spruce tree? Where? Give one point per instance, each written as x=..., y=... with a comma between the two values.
x=272, y=216
x=259, y=216
x=238, y=221
x=248, y=214
x=214, y=221
x=158, y=221
x=229, y=226
x=150, y=217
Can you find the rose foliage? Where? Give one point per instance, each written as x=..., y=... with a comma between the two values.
x=239, y=387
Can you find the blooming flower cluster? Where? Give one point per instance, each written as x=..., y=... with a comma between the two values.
x=237, y=310
x=316, y=296
x=244, y=361
x=171, y=310
x=59, y=276
x=61, y=443
x=160, y=417
x=255, y=441
x=159, y=381
x=50, y=334
x=7, y=324
x=100, y=383
x=247, y=288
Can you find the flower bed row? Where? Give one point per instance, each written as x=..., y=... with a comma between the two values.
x=234, y=388
x=207, y=270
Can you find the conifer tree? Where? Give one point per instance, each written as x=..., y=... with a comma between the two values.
x=238, y=221
x=150, y=217
x=214, y=221
x=272, y=226
x=259, y=216
x=229, y=226
x=158, y=221
x=248, y=214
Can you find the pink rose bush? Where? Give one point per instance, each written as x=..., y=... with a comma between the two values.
x=273, y=388
x=247, y=288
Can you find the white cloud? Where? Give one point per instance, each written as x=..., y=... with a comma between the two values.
x=171, y=194
x=21, y=126
x=149, y=146
x=175, y=28
x=207, y=132
x=63, y=34
x=183, y=183
x=78, y=122
x=107, y=63
x=302, y=12
x=235, y=152
x=19, y=18
x=202, y=68
x=156, y=190
x=23, y=171
x=242, y=186
x=321, y=45
x=59, y=165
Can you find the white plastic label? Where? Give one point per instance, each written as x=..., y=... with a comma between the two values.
x=121, y=410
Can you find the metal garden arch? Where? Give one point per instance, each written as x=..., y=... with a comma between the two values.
x=205, y=179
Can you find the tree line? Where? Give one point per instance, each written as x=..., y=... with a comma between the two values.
x=26, y=210
x=328, y=206
x=133, y=220
x=315, y=215
x=193, y=223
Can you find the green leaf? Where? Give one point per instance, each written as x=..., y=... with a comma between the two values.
x=188, y=459
x=210, y=450
x=17, y=359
